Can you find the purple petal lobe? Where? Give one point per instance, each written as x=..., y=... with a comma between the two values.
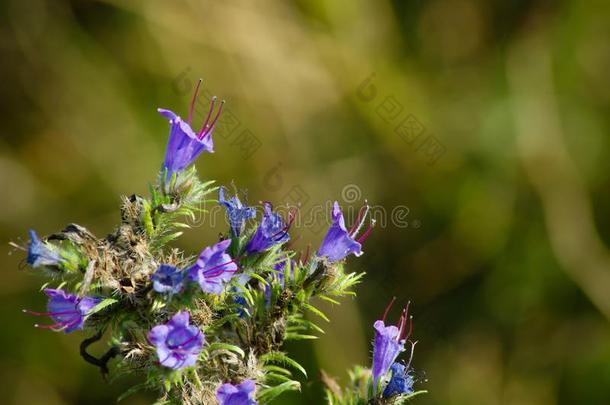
x=242, y=394
x=338, y=243
x=177, y=343
x=386, y=347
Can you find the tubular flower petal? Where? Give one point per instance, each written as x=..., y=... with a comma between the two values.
x=389, y=342
x=237, y=213
x=39, y=253
x=178, y=344
x=400, y=383
x=242, y=394
x=214, y=268
x=339, y=242
x=67, y=310
x=184, y=144
x=167, y=280
x=386, y=348
x=271, y=231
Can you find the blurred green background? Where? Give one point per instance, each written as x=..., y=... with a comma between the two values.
x=489, y=120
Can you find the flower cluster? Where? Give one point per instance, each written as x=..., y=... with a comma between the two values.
x=208, y=329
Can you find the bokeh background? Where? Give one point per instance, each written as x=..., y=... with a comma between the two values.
x=481, y=127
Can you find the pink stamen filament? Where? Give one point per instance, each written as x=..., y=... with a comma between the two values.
x=307, y=253
x=360, y=221
x=404, y=319
x=193, y=101
x=401, y=325
x=203, y=131
x=387, y=309
x=58, y=326
x=284, y=230
x=217, y=270
x=366, y=233
x=27, y=311
x=357, y=221
x=222, y=103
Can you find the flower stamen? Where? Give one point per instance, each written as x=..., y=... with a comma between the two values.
x=282, y=232
x=360, y=220
x=387, y=309
x=222, y=103
x=27, y=311
x=204, y=129
x=366, y=233
x=217, y=270
x=192, y=108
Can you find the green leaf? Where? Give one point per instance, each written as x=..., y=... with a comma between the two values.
x=226, y=346
x=327, y=298
x=277, y=369
x=403, y=399
x=316, y=311
x=103, y=304
x=279, y=357
x=273, y=377
x=298, y=336
x=266, y=395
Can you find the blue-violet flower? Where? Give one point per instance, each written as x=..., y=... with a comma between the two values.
x=237, y=212
x=67, y=310
x=389, y=342
x=39, y=253
x=271, y=231
x=184, y=144
x=242, y=394
x=167, y=279
x=214, y=268
x=178, y=344
x=339, y=242
x=401, y=382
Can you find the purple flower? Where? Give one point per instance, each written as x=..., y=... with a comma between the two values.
x=400, y=383
x=67, y=310
x=39, y=253
x=389, y=342
x=271, y=231
x=236, y=211
x=167, y=279
x=242, y=394
x=339, y=242
x=178, y=344
x=213, y=268
x=184, y=144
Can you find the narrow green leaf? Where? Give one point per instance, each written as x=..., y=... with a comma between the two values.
x=266, y=395
x=279, y=357
x=226, y=346
x=316, y=311
x=103, y=304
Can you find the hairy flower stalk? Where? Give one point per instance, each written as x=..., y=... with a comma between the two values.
x=208, y=329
